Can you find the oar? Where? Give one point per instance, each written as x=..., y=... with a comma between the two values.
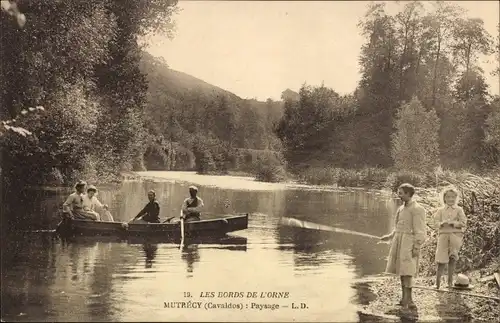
x=110, y=217
x=168, y=219
x=292, y=222
x=182, y=231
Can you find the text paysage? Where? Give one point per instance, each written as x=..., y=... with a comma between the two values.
x=235, y=300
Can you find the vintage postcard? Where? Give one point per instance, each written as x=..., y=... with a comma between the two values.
x=249, y=161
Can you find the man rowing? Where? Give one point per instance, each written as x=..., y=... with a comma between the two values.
x=192, y=206
x=73, y=207
x=151, y=212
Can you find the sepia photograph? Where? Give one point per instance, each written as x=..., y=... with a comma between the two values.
x=249, y=161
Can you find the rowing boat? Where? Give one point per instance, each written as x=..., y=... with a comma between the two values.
x=209, y=227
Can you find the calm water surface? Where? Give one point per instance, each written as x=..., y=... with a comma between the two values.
x=105, y=280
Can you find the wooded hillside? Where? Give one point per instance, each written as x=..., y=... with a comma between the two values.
x=188, y=117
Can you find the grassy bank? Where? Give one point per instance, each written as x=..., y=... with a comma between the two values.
x=375, y=178
x=367, y=177
x=480, y=198
x=264, y=165
x=479, y=255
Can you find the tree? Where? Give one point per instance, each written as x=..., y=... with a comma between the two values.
x=471, y=84
x=493, y=125
x=432, y=56
x=79, y=60
x=120, y=79
x=408, y=31
x=251, y=127
x=463, y=107
x=496, y=72
x=440, y=23
x=469, y=40
x=492, y=137
x=309, y=125
x=378, y=93
x=471, y=91
x=272, y=114
x=415, y=143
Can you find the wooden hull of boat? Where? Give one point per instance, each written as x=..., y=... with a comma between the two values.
x=210, y=227
x=226, y=242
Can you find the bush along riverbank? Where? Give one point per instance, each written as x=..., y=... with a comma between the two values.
x=479, y=257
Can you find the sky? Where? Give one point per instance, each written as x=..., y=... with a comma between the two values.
x=259, y=49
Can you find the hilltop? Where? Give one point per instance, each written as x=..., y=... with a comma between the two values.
x=177, y=84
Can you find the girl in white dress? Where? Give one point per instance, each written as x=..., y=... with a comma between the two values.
x=450, y=220
x=92, y=205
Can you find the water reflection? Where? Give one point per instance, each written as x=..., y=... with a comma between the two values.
x=109, y=279
x=452, y=305
x=100, y=308
x=353, y=211
x=190, y=255
x=24, y=276
x=149, y=253
x=314, y=248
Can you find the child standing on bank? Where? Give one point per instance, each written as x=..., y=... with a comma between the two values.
x=406, y=238
x=451, y=222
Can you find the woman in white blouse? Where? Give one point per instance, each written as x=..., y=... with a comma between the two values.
x=92, y=205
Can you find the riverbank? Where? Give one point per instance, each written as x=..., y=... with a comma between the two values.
x=477, y=256
x=478, y=259
x=243, y=181
x=434, y=306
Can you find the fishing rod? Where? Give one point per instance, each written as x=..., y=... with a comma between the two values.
x=457, y=292
x=292, y=222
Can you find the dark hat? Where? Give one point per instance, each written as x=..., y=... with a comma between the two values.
x=80, y=183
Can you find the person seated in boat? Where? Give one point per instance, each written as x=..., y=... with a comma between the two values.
x=192, y=206
x=151, y=212
x=92, y=204
x=73, y=206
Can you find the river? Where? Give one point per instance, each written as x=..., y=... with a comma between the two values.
x=44, y=279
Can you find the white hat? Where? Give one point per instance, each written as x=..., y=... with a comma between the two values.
x=462, y=282
x=194, y=188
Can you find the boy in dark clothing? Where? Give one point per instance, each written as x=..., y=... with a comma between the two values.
x=151, y=212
